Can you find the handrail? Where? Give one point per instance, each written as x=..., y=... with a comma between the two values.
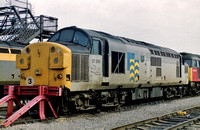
x=24, y=29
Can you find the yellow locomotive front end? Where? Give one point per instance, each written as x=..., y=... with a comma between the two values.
x=45, y=64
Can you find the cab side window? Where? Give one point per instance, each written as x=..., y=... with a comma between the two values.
x=189, y=62
x=14, y=51
x=194, y=64
x=199, y=64
x=4, y=50
x=96, y=48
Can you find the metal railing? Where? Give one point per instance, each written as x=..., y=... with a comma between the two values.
x=24, y=29
x=48, y=23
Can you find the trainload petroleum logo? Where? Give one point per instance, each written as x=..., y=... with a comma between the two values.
x=133, y=66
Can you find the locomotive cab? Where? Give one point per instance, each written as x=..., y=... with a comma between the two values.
x=90, y=57
x=193, y=62
x=47, y=64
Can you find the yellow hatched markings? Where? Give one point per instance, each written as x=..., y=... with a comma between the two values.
x=137, y=64
x=132, y=75
x=131, y=81
x=136, y=78
x=132, y=60
x=132, y=67
x=136, y=71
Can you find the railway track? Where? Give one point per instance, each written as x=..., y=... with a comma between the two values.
x=189, y=118
x=26, y=120
x=33, y=117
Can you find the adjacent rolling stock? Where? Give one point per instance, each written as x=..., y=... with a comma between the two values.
x=9, y=75
x=193, y=61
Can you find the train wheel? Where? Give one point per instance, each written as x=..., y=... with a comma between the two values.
x=194, y=90
x=167, y=93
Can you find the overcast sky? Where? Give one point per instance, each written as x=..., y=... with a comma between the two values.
x=170, y=23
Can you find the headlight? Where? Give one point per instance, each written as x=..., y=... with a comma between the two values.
x=21, y=61
x=58, y=50
x=53, y=49
x=38, y=71
x=59, y=76
x=28, y=50
x=56, y=60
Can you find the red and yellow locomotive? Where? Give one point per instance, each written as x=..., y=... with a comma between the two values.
x=193, y=61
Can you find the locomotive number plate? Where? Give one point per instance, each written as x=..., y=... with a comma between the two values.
x=29, y=81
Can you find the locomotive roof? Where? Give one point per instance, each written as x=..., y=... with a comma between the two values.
x=124, y=40
x=190, y=56
x=119, y=40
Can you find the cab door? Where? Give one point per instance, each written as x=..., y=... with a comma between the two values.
x=145, y=72
x=100, y=50
x=96, y=61
x=105, y=62
x=199, y=70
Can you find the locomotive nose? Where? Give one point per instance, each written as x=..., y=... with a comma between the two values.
x=46, y=64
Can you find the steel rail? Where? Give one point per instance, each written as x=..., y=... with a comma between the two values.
x=169, y=121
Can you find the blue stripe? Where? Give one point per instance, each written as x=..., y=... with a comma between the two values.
x=137, y=61
x=129, y=57
x=131, y=64
x=137, y=68
x=136, y=75
x=132, y=79
x=132, y=71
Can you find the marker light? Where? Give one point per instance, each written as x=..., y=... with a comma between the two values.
x=21, y=61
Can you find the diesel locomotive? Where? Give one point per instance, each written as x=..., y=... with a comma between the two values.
x=9, y=75
x=96, y=69
x=193, y=62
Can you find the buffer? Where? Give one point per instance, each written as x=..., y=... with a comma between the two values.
x=41, y=92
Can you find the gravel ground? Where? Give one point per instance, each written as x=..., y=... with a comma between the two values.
x=106, y=120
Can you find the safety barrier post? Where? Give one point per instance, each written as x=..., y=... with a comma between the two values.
x=10, y=102
x=10, y=98
x=42, y=103
x=41, y=93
